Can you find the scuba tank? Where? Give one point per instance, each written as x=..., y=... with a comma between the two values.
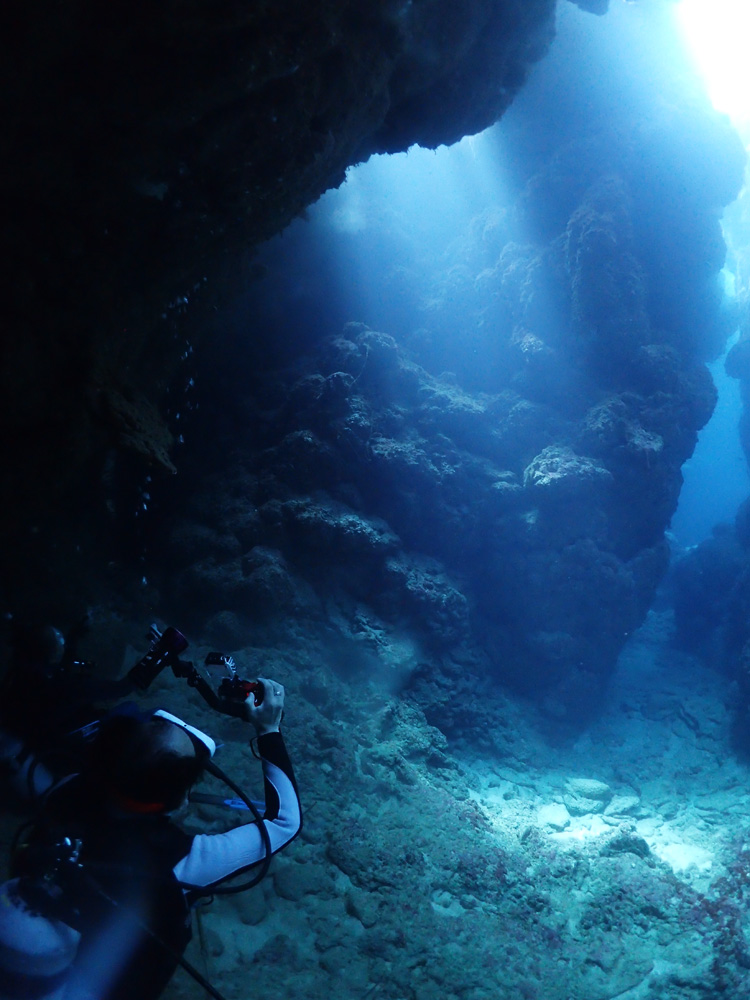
x=36, y=952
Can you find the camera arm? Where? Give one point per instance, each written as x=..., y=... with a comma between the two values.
x=165, y=651
x=228, y=705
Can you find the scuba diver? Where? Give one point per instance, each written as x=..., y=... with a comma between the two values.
x=99, y=905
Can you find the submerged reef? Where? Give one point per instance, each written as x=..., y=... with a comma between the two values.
x=498, y=477
x=430, y=867
x=472, y=518
x=708, y=588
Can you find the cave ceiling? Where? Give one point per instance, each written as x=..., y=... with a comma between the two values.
x=147, y=151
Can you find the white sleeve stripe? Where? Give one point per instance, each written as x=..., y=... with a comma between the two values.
x=214, y=857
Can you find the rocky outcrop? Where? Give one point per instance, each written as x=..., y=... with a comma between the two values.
x=593, y=6
x=423, y=502
x=709, y=587
x=145, y=156
x=520, y=446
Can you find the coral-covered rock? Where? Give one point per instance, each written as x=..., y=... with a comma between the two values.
x=558, y=473
x=331, y=529
x=422, y=586
x=534, y=530
x=706, y=584
x=136, y=425
x=256, y=585
x=593, y=6
x=738, y=360
x=492, y=469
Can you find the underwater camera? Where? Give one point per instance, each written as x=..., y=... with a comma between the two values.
x=165, y=651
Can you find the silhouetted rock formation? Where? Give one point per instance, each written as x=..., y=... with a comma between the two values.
x=146, y=152
x=509, y=469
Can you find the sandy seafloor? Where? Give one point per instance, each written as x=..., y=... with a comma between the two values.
x=610, y=865
x=510, y=863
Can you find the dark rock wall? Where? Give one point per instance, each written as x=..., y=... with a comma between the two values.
x=499, y=477
x=144, y=153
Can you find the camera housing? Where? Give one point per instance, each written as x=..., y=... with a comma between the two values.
x=165, y=650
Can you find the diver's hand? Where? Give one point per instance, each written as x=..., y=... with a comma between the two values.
x=266, y=717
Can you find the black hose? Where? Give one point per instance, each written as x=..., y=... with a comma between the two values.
x=231, y=890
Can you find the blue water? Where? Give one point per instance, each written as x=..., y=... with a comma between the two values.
x=716, y=477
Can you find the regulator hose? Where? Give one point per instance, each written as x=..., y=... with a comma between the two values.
x=231, y=890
